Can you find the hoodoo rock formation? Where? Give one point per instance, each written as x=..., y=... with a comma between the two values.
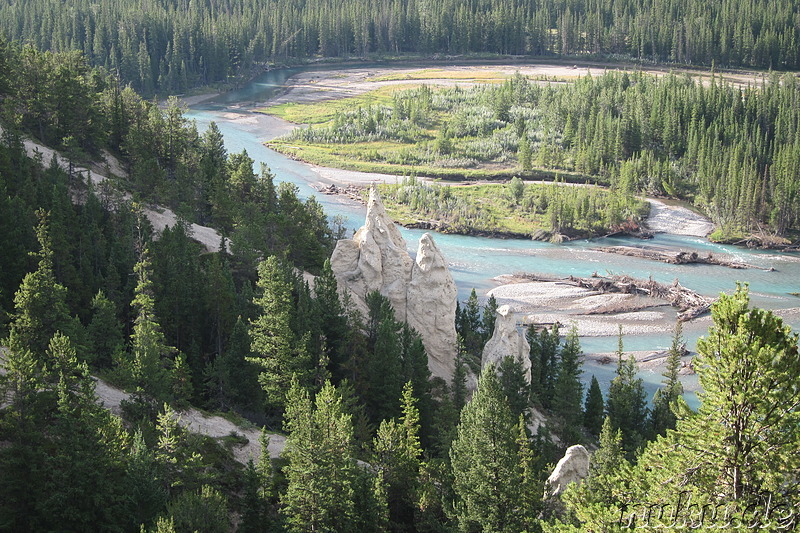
x=507, y=341
x=572, y=468
x=422, y=293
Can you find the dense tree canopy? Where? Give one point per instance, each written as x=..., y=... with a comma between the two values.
x=171, y=45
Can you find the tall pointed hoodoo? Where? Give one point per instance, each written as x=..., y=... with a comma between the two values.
x=422, y=292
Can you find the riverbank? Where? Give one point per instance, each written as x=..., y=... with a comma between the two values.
x=328, y=82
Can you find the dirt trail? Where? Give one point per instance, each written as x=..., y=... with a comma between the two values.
x=160, y=217
x=195, y=421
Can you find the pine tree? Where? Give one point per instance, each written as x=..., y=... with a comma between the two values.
x=40, y=303
x=747, y=429
x=626, y=406
x=63, y=462
x=662, y=417
x=568, y=389
x=485, y=460
x=605, y=487
x=397, y=455
x=320, y=470
x=146, y=492
x=181, y=467
x=594, y=409
x=735, y=454
x=273, y=342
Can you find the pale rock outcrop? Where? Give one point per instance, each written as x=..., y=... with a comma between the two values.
x=376, y=259
x=572, y=468
x=431, y=306
x=506, y=341
x=422, y=293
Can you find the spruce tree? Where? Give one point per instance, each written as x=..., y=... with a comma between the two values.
x=333, y=322
x=531, y=482
x=487, y=477
x=515, y=386
x=662, y=417
x=274, y=345
x=147, y=368
x=568, y=389
x=488, y=319
x=104, y=333
x=544, y=363
x=320, y=470
x=594, y=409
x=232, y=379
x=469, y=326
x=397, y=455
x=384, y=373
x=626, y=406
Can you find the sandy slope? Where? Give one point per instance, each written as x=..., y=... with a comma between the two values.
x=677, y=220
x=198, y=422
x=159, y=217
x=212, y=426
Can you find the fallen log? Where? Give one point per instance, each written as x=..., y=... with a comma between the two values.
x=689, y=303
x=675, y=257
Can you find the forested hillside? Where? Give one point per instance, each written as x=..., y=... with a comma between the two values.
x=167, y=46
x=373, y=442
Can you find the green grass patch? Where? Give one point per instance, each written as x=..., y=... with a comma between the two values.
x=350, y=157
x=325, y=111
x=726, y=235
x=538, y=211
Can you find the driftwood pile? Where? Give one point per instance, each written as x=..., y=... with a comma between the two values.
x=675, y=257
x=690, y=304
x=351, y=191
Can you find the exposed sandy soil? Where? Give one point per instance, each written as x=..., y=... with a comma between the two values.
x=212, y=426
x=197, y=422
x=159, y=217
x=677, y=220
x=320, y=85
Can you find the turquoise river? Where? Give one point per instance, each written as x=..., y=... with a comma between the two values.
x=474, y=261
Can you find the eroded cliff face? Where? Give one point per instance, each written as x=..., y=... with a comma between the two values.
x=507, y=341
x=422, y=292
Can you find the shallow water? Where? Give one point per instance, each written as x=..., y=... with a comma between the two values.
x=474, y=261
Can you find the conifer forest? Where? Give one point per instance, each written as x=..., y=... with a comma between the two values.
x=125, y=340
